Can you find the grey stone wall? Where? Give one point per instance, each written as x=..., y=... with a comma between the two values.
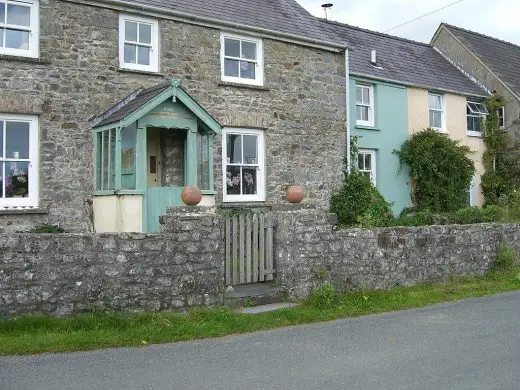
x=62, y=274
x=77, y=76
x=307, y=243
x=463, y=58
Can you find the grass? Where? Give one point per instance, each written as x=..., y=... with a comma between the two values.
x=37, y=334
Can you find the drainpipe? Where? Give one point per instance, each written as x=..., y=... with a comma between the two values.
x=347, y=107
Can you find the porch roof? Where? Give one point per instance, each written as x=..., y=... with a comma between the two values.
x=142, y=101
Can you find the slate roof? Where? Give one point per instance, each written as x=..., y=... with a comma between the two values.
x=128, y=105
x=283, y=16
x=402, y=60
x=502, y=57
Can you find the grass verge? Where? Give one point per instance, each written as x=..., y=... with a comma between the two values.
x=37, y=334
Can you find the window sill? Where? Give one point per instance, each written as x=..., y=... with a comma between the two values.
x=476, y=134
x=27, y=211
x=365, y=127
x=146, y=72
x=32, y=60
x=245, y=86
x=441, y=131
x=208, y=192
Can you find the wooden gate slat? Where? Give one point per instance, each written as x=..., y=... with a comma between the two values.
x=255, y=247
x=261, y=244
x=229, y=281
x=241, y=254
x=248, y=247
x=235, y=250
x=269, y=247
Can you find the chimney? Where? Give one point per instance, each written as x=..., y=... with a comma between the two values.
x=327, y=9
x=373, y=57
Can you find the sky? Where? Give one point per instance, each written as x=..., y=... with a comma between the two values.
x=497, y=18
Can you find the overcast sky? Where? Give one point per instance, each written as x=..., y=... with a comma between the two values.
x=497, y=18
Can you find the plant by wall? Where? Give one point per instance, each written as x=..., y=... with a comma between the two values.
x=441, y=170
x=500, y=163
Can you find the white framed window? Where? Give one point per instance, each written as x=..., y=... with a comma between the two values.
x=241, y=59
x=367, y=164
x=437, y=111
x=19, y=28
x=19, y=148
x=138, y=43
x=364, y=105
x=243, y=165
x=502, y=117
x=475, y=116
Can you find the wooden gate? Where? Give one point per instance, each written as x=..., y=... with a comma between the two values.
x=249, y=248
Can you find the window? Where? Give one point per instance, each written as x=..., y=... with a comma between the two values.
x=138, y=43
x=476, y=114
x=106, y=160
x=18, y=161
x=241, y=59
x=436, y=108
x=19, y=28
x=364, y=105
x=367, y=164
x=204, y=144
x=501, y=117
x=243, y=165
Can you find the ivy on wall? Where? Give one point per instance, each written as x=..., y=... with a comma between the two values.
x=441, y=171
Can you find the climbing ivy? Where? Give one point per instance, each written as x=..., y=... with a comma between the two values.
x=441, y=171
x=500, y=162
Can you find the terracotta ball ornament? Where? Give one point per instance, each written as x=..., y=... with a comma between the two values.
x=191, y=196
x=294, y=194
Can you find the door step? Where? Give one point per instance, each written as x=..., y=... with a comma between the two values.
x=252, y=295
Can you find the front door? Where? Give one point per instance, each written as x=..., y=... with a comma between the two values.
x=154, y=157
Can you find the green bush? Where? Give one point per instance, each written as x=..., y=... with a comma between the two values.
x=494, y=213
x=324, y=297
x=46, y=228
x=467, y=216
x=506, y=259
x=359, y=203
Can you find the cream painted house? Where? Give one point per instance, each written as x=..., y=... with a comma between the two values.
x=454, y=115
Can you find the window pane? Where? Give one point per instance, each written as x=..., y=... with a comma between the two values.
x=17, y=179
x=247, y=70
x=366, y=96
x=112, y=166
x=17, y=140
x=368, y=175
x=128, y=145
x=362, y=113
x=368, y=162
x=2, y=12
x=435, y=119
x=234, y=149
x=435, y=102
x=202, y=162
x=143, y=55
x=131, y=31
x=250, y=149
x=1, y=139
x=99, y=158
x=233, y=180
x=249, y=181
x=249, y=50
x=145, y=33
x=18, y=15
x=231, y=68
x=361, y=162
x=359, y=94
x=130, y=54
x=1, y=37
x=15, y=39
x=2, y=165
x=232, y=48
x=105, y=152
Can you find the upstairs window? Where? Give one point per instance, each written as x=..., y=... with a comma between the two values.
x=19, y=28
x=436, y=111
x=365, y=105
x=501, y=117
x=367, y=164
x=476, y=114
x=241, y=59
x=138, y=43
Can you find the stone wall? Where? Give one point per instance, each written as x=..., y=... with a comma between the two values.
x=301, y=106
x=62, y=274
x=307, y=243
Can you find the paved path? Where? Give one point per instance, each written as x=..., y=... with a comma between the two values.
x=473, y=344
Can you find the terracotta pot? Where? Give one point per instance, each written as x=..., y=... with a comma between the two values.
x=294, y=194
x=191, y=196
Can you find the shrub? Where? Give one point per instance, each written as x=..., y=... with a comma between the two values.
x=505, y=260
x=46, y=228
x=467, y=216
x=324, y=297
x=358, y=202
x=441, y=170
x=494, y=213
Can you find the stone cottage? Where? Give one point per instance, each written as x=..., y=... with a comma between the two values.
x=109, y=108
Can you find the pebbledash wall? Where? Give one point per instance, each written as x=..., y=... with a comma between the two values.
x=301, y=106
x=183, y=266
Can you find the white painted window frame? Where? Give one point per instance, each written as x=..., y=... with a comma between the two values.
x=260, y=195
x=259, y=63
x=441, y=129
x=373, y=170
x=32, y=200
x=371, y=106
x=34, y=31
x=154, y=51
x=473, y=133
